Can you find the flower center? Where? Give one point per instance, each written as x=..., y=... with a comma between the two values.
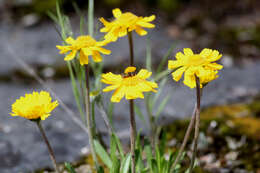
x=84, y=41
x=196, y=60
x=131, y=80
x=126, y=19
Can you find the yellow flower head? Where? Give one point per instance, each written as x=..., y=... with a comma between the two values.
x=202, y=65
x=129, y=84
x=34, y=106
x=125, y=22
x=86, y=46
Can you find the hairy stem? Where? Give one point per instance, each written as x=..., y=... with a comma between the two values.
x=186, y=137
x=52, y=156
x=131, y=107
x=197, y=124
x=131, y=48
x=88, y=118
x=133, y=133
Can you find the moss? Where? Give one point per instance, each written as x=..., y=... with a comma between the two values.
x=235, y=121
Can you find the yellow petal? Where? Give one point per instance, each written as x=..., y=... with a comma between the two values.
x=102, y=50
x=145, y=24
x=102, y=20
x=117, y=12
x=70, y=40
x=187, y=51
x=140, y=31
x=110, y=88
x=214, y=56
x=130, y=69
x=178, y=73
x=144, y=74
x=189, y=80
x=83, y=59
x=205, y=52
x=122, y=32
x=215, y=66
x=63, y=49
x=118, y=94
x=149, y=19
x=172, y=64
x=96, y=56
x=180, y=56
x=110, y=78
x=71, y=55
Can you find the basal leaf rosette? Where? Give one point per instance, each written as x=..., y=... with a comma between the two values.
x=37, y=105
x=125, y=22
x=129, y=85
x=202, y=65
x=86, y=46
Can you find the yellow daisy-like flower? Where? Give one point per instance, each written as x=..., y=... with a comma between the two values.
x=129, y=84
x=125, y=22
x=86, y=46
x=202, y=65
x=37, y=105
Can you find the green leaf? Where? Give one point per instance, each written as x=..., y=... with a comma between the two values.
x=90, y=17
x=148, y=56
x=140, y=114
x=158, y=93
x=162, y=105
x=75, y=90
x=126, y=164
x=164, y=59
x=162, y=74
x=110, y=112
x=53, y=17
x=119, y=146
x=102, y=154
x=69, y=167
x=115, y=166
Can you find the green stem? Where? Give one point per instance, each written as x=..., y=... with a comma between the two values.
x=52, y=156
x=186, y=137
x=88, y=118
x=197, y=124
x=131, y=107
x=91, y=17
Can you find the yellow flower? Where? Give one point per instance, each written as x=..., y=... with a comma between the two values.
x=86, y=46
x=202, y=65
x=125, y=22
x=34, y=106
x=129, y=84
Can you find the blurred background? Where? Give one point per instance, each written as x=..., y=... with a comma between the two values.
x=231, y=104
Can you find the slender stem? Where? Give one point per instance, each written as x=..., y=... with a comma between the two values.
x=90, y=17
x=133, y=133
x=131, y=48
x=153, y=128
x=48, y=146
x=197, y=124
x=186, y=137
x=131, y=106
x=88, y=118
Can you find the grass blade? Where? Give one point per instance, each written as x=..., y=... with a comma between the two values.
x=164, y=59
x=162, y=106
x=148, y=56
x=102, y=154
